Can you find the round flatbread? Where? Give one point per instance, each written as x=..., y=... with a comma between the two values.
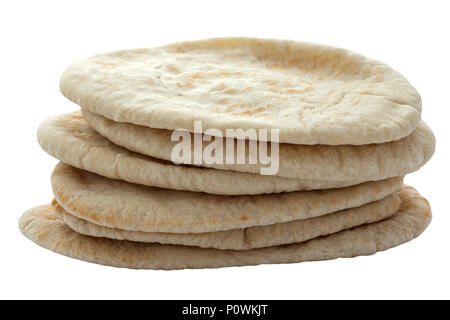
x=318, y=162
x=42, y=226
x=122, y=205
x=313, y=94
x=251, y=237
x=70, y=139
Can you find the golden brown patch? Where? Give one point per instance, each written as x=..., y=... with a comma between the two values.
x=293, y=90
x=272, y=82
x=172, y=68
x=227, y=73
x=250, y=111
x=213, y=220
x=230, y=91
x=184, y=85
x=223, y=100
x=293, y=60
x=230, y=107
x=195, y=75
x=378, y=78
x=314, y=204
x=55, y=204
x=279, y=66
x=243, y=218
x=220, y=86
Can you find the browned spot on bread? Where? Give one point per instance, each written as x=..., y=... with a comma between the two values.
x=230, y=91
x=243, y=218
x=279, y=66
x=223, y=100
x=55, y=203
x=272, y=82
x=228, y=73
x=220, y=86
x=250, y=111
x=314, y=204
x=172, y=68
x=184, y=85
x=213, y=220
x=230, y=107
x=379, y=78
x=302, y=68
x=195, y=75
x=293, y=90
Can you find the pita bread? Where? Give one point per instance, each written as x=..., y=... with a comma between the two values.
x=71, y=140
x=252, y=237
x=313, y=94
x=42, y=226
x=318, y=162
x=122, y=205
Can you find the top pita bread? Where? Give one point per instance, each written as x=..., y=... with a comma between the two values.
x=313, y=94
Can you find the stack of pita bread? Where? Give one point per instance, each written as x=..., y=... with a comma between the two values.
x=349, y=129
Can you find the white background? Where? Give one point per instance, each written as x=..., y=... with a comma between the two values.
x=39, y=39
